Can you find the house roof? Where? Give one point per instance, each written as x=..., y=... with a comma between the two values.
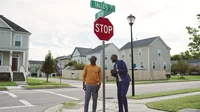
x=64, y=57
x=139, y=43
x=35, y=62
x=193, y=61
x=83, y=51
x=14, y=26
x=98, y=49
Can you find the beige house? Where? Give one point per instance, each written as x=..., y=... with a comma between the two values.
x=149, y=54
x=14, y=50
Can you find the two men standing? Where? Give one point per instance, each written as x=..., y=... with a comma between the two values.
x=92, y=78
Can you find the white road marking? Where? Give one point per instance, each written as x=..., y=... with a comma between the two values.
x=12, y=107
x=26, y=103
x=11, y=94
x=73, y=98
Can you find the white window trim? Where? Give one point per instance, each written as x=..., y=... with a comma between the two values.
x=20, y=40
x=164, y=64
x=142, y=64
x=158, y=51
x=152, y=64
x=1, y=59
x=139, y=51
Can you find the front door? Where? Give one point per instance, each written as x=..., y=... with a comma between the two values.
x=14, y=64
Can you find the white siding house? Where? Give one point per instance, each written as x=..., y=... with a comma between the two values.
x=109, y=50
x=79, y=54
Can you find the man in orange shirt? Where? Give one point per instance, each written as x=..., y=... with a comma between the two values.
x=92, y=78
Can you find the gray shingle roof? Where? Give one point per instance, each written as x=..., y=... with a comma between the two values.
x=83, y=51
x=98, y=49
x=13, y=25
x=139, y=43
x=64, y=57
x=35, y=62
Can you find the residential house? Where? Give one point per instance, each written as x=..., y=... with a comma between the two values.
x=14, y=50
x=63, y=60
x=35, y=66
x=79, y=54
x=109, y=50
x=149, y=54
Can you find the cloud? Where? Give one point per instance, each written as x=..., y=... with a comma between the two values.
x=62, y=25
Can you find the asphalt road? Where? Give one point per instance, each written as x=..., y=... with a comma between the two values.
x=39, y=100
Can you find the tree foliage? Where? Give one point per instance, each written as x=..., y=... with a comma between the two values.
x=77, y=66
x=49, y=65
x=194, y=45
x=180, y=67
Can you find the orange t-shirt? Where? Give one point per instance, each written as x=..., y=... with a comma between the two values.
x=92, y=74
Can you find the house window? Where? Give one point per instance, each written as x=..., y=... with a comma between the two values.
x=139, y=52
x=105, y=57
x=1, y=59
x=141, y=63
x=106, y=67
x=18, y=41
x=164, y=66
x=158, y=52
x=154, y=65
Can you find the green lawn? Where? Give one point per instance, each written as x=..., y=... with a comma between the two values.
x=2, y=88
x=167, y=93
x=174, y=105
x=42, y=84
x=172, y=79
x=8, y=83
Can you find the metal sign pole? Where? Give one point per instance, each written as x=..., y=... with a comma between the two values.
x=103, y=55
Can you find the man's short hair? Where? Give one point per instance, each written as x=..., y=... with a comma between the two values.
x=94, y=57
x=114, y=55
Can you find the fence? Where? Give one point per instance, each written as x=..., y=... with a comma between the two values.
x=139, y=75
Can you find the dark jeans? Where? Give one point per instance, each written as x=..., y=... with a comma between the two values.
x=91, y=90
x=122, y=89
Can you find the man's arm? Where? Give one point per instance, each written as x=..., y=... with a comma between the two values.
x=84, y=76
x=100, y=76
x=123, y=69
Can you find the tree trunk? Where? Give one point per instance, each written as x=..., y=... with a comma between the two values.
x=47, y=77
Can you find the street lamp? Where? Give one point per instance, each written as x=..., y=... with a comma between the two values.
x=131, y=20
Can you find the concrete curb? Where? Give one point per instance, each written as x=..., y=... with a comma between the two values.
x=54, y=108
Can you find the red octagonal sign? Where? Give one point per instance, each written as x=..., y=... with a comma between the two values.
x=103, y=28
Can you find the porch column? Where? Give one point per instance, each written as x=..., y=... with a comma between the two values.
x=11, y=73
x=24, y=58
x=11, y=58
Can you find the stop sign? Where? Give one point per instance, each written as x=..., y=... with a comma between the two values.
x=103, y=28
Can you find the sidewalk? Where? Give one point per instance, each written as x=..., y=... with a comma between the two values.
x=134, y=105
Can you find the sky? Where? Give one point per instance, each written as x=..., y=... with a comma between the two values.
x=62, y=25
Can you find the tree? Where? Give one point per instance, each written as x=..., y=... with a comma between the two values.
x=194, y=45
x=182, y=67
x=176, y=57
x=79, y=66
x=49, y=65
x=71, y=63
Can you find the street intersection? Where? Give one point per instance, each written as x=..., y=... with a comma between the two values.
x=38, y=100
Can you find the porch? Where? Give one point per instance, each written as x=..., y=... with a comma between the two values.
x=13, y=65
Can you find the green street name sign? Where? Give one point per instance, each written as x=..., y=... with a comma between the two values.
x=105, y=8
x=103, y=13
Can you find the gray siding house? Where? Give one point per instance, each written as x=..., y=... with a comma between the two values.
x=149, y=54
x=14, y=50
